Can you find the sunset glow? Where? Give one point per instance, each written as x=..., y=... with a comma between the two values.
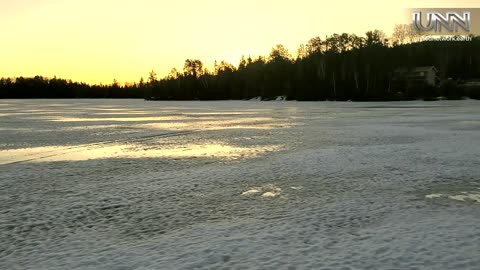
x=96, y=41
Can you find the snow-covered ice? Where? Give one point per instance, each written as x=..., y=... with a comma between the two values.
x=132, y=184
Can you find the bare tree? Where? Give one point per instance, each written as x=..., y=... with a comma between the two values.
x=400, y=34
x=301, y=51
x=279, y=52
x=193, y=67
x=413, y=34
x=173, y=74
x=314, y=45
x=152, y=78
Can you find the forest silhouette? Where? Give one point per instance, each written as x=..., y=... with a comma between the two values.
x=340, y=67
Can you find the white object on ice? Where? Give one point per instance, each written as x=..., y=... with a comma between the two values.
x=467, y=197
x=464, y=196
x=251, y=192
x=268, y=190
x=435, y=195
x=270, y=194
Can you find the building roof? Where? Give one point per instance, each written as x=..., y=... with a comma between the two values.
x=417, y=69
x=425, y=68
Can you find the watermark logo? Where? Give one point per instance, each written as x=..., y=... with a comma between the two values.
x=445, y=21
x=446, y=38
x=436, y=21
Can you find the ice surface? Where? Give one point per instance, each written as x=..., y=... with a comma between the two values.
x=131, y=184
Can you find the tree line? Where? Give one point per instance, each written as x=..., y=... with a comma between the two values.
x=338, y=67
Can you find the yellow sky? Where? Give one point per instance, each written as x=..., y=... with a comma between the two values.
x=98, y=40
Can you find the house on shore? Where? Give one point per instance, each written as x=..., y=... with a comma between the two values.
x=404, y=78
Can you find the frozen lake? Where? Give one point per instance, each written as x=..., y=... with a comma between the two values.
x=132, y=184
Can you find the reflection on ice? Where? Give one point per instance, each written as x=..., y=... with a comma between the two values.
x=212, y=150
x=179, y=121
x=113, y=119
x=111, y=108
x=219, y=124
x=220, y=113
x=88, y=152
x=122, y=113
